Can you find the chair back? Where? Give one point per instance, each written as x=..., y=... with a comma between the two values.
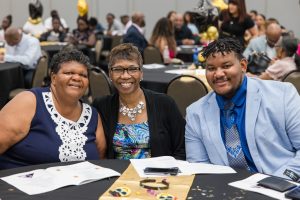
x=294, y=78
x=185, y=90
x=100, y=84
x=98, y=48
x=116, y=40
x=41, y=71
x=152, y=55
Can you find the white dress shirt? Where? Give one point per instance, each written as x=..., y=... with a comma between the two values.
x=34, y=29
x=48, y=23
x=27, y=52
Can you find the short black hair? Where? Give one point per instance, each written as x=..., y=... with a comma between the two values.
x=254, y=12
x=69, y=55
x=224, y=45
x=93, y=21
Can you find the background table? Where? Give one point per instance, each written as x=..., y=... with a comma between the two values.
x=156, y=79
x=204, y=186
x=11, y=77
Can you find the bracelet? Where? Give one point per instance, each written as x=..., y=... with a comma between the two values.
x=163, y=182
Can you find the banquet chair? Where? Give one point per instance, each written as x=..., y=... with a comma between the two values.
x=40, y=73
x=186, y=89
x=152, y=55
x=100, y=84
x=294, y=78
x=98, y=49
x=116, y=40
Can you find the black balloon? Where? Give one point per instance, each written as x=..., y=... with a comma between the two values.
x=35, y=9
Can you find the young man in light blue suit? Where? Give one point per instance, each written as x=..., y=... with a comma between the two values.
x=260, y=133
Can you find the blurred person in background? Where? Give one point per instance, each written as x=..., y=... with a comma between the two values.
x=24, y=49
x=265, y=43
x=183, y=34
x=163, y=36
x=284, y=63
x=96, y=27
x=125, y=19
x=135, y=33
x=172, y=16
x=234, y=21
x=56, y=34
x=253, y=14
x=260, y=21
x=82, y=35
x=114, y=26
x=54, y=14
x=6, y=23
x=189, y=21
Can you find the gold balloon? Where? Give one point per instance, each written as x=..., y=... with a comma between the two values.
x=204, y=36
x=200, y=57
x=219, y=4
x=212, y=33
x=82, y=7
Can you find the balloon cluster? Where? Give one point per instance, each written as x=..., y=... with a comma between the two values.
x=210, y=35
x=82, y=7
x=220, y=4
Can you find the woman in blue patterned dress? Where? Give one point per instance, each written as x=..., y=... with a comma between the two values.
x=138, y=123
x=51, y=124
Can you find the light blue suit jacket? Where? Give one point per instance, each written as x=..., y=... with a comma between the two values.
x=272, y=123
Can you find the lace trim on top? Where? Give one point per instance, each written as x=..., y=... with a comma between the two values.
x=71, y=133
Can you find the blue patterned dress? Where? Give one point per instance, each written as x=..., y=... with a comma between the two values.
x=131, y=141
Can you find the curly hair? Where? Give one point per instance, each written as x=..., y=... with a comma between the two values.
x=125, y=51
x=66, y=56
x=224, y=45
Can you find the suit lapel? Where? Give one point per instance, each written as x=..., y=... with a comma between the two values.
x=212, y=117
x=253, y=101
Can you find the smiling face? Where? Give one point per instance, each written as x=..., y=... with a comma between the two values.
x=260, y=21
x=127, y=82
x=71, y=80
x=233, y=8
x=225, y=73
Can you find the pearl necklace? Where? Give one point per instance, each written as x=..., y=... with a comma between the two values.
x=132, y=112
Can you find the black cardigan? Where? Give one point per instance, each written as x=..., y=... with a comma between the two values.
x=166, y=124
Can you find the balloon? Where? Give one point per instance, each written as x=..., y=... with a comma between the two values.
x=200, y=57
x=212, y=33
x=219, y=4
x=35, y=9
x=82, y=7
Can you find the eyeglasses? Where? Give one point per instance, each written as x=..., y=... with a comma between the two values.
x=118, y=71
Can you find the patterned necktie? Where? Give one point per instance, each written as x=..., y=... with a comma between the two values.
x=234, y=149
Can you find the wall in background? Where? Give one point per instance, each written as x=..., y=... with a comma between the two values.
x=287, y=12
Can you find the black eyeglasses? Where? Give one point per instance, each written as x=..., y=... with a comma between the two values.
x=120, y=70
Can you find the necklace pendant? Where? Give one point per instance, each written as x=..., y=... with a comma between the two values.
x=132, y=112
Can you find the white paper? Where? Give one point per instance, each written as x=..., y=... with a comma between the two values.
x=158, y=162
x=185, y=167
x=45, y=180
x=154, y=66
x=250, y=184
x=202, y=168
x=200, y=72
